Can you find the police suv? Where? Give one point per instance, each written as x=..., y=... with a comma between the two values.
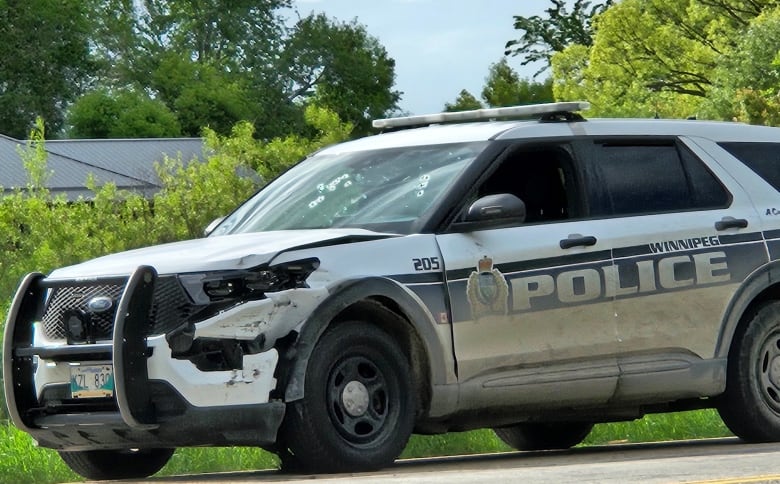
x=458, y=271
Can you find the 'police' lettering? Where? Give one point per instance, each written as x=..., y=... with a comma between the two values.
x=582, y=285
x=590, y=280
x=525, y=288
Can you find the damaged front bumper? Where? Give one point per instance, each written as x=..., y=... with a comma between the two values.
x=158, y=398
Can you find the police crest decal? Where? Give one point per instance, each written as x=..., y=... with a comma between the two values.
x=487, y=290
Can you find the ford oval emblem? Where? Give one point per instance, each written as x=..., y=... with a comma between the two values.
x=100, y=304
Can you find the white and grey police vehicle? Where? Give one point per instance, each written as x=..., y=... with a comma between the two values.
x=531, y=276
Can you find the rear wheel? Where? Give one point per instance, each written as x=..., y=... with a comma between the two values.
x=750, y=406
x=359, y=405
x=544, y=436
x=117, y=464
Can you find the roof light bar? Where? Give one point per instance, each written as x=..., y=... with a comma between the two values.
x=482, y=114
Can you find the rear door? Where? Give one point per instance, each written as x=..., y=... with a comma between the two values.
x=685, y=236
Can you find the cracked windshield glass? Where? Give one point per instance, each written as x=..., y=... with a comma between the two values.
x=383, y=190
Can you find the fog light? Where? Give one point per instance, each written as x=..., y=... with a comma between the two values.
x=76, y=326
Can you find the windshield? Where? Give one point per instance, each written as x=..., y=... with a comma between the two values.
x=383, y=190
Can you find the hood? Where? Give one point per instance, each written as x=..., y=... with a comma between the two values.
x=226, y=252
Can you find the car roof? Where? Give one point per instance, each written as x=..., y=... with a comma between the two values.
x=716, y=130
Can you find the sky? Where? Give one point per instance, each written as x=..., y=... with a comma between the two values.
x=439, y=46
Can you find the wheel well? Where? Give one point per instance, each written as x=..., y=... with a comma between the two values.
x=387, y=314
x=771, y=293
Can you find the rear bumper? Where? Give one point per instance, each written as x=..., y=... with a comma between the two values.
x=158, y=401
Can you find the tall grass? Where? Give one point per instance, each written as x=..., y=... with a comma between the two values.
x=701, y=424
x=23, y=463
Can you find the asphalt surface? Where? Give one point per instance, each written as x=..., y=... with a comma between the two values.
x=718, y=461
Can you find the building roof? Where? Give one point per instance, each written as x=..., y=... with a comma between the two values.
x=128, y=163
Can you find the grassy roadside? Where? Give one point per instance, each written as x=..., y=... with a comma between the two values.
x=21, y=462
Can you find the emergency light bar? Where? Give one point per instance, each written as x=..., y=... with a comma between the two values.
x=482, y=114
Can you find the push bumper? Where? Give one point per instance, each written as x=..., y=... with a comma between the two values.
x=145, y=411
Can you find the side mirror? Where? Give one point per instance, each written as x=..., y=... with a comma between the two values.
x=493, y=211
x=210, y=227
x=496, y=207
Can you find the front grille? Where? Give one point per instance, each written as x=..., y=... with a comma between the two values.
x=64, y=299
x=170, y=308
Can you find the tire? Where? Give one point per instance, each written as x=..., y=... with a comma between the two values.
x=117, y=464
x=750, y=406
x=359, y=404
x=544, y=436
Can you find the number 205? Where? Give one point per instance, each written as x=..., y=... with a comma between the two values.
x=426, y=264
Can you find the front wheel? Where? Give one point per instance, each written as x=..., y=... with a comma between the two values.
x=358, y=408
x=750, y=406
x=544, y=436
x=117, y=464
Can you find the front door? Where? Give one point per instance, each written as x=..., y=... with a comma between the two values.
x=531, y=304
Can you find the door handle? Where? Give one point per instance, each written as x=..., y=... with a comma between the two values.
x=577, y=240
x=731, y=223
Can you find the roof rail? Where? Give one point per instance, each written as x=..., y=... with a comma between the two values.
x=483, y=114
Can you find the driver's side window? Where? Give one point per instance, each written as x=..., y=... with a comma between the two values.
x=543, y=178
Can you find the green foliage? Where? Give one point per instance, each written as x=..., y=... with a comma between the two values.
x=503, y=87
x=124, y=114
x=21, y=462
x=542, y=37
x=213, y=100
x=195, y=194
x=746, y=84
x=280, y=153
x=45, y=61
x=464, y=102
x=216, y=62
x=700, y=424
x=342, y=67
x=671, y=58
x=216, y=459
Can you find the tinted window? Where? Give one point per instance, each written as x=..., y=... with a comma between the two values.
x=653, y=178
x=762, y=158
x=706, y=190
x=542, y=177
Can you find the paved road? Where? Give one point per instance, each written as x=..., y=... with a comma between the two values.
x=721, y=461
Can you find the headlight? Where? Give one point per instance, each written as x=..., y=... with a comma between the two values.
x=248, y=285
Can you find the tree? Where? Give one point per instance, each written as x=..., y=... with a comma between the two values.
x=124, y=114
x=655, y=57
x=235, y=35
x=464, y=102
x=216, y=62
x=45, y=62
x=503, y=87
x=746, y=85
x=199, y=57
x=342, y=67
x=542, y=37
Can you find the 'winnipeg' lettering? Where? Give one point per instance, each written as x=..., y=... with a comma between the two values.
x=683, y=244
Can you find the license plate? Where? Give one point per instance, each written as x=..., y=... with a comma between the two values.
x=91, y=381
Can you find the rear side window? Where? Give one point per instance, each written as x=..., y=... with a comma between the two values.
x=762, y=158
x=656, y=177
